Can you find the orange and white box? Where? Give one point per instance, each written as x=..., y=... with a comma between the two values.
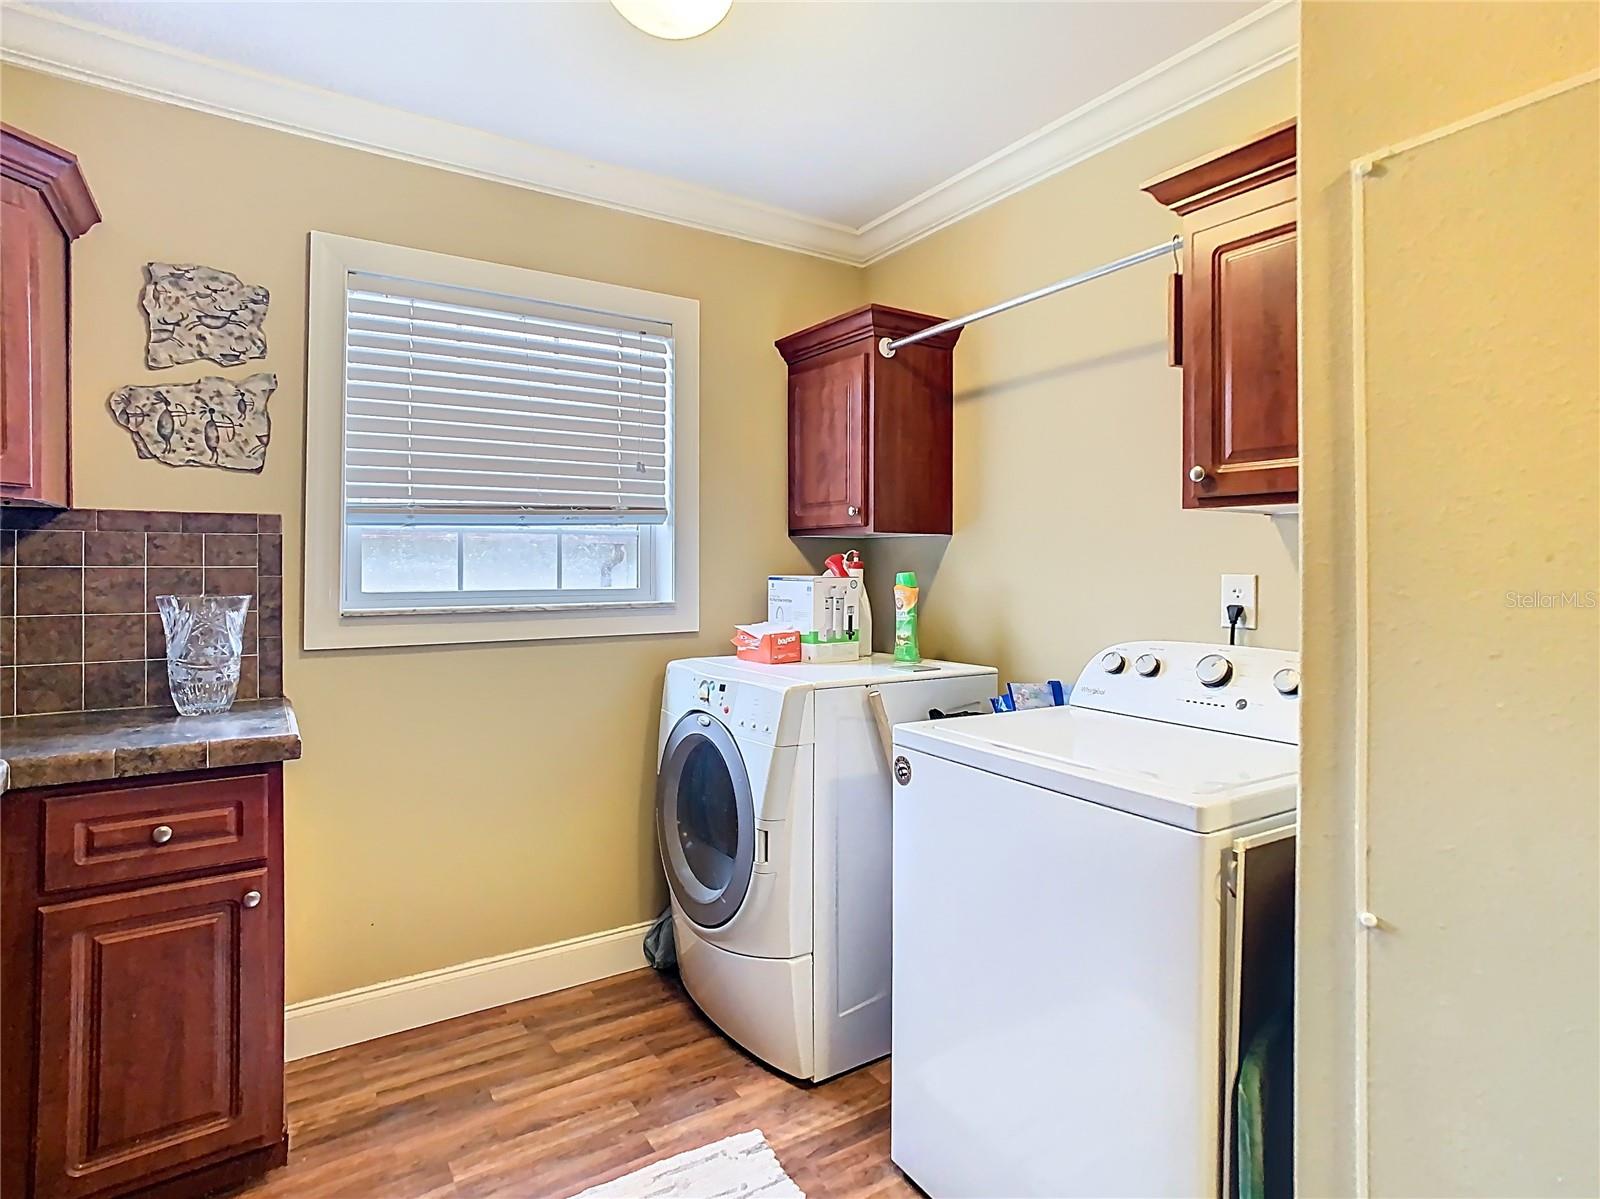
x=766, y=643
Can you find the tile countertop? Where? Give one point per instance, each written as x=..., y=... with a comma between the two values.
x=81, y=747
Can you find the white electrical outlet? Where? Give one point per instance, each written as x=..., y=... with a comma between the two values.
x=1239, y=589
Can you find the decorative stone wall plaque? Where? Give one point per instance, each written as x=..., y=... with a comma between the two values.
x=210, y=422
x=196, y=312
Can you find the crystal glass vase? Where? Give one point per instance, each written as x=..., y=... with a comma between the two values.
x=205, y=639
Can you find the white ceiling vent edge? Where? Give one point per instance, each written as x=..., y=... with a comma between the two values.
x=72, y=49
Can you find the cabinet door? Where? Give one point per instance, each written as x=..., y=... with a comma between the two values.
x=1241, y=394
x=828, y=444
x=160, y=1031
x=33, y=349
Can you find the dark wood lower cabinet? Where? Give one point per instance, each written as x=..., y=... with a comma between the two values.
x=143, y=1030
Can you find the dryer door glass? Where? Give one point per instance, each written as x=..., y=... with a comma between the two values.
x=708, y=817
x=705, y=820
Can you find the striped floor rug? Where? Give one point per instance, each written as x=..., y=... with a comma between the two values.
x=740, y=1167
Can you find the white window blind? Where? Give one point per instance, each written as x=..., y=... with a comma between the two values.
x=461, y=403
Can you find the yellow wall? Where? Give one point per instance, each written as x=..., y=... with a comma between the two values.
x=1482, y=422
x=1068, y=458
x=459, y=802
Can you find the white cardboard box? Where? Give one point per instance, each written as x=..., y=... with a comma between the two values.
x=824, y=608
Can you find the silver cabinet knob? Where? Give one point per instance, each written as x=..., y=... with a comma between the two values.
x=852, y=510
x=252, y=899
x=1213, y=670
x=1197, y=474
x=1147, y=665
x=161, y=834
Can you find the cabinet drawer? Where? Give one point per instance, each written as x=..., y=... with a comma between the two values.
x=140, y=832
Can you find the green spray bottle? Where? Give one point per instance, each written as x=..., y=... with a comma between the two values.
x=906, y=645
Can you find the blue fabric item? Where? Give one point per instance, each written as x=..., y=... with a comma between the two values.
x=660, y=948
x=1051, y=694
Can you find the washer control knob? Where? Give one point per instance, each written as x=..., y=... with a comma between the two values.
x=705, y=691
x=1214, y=670
x=1287, y=681
x=1148, y=665
x=1112, y=662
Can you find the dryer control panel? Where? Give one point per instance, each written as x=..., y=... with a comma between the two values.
x=748, y=710
x=1240, y=689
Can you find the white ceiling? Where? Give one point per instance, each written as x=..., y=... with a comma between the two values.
x=840, y=113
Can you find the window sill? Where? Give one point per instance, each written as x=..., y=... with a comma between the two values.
x=468, y=609
x=475, y=626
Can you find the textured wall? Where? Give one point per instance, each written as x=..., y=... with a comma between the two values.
x=1070, y=533
x=453, y=802
x=1480, y=1054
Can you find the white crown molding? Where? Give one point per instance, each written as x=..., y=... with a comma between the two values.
x=73, y=49
x=1256, y=43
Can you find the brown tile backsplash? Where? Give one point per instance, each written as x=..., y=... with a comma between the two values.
x=232, y=549
x=113, y=685
x=78, y=629
x=114, y=549
x=49, y=689
x=49, y=590
x=225, y=522
x=51, y=549
x=117, y=638
x=136, y=522
x=271, y=554
x=174, y=549
x=41, y=640
x=109, y=590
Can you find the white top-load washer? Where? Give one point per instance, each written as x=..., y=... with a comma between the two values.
x=774, y=821
x=1061, y=905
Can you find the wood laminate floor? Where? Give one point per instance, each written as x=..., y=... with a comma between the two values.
x=544, y=1098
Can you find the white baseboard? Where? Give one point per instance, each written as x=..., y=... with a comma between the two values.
x=318, y=1025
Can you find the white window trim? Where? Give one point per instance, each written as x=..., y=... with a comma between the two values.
x=323, y=625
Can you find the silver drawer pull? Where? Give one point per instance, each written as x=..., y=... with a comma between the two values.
x=252, y=899
x=161, y=834
x=1197, y=474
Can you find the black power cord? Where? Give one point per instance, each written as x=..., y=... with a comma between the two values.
x=1235, y=615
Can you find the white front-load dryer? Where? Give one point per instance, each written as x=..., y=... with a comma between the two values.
x=733, y=821
x=773, y=817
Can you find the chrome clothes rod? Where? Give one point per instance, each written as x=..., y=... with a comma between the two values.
x=887, y=347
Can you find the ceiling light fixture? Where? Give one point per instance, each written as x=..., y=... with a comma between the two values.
x=675, y=20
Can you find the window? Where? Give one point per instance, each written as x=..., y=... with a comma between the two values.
x=494, y=453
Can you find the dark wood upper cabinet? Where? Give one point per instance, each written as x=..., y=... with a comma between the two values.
x=46, y=204
x=869, y=436
x=1237, y=322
